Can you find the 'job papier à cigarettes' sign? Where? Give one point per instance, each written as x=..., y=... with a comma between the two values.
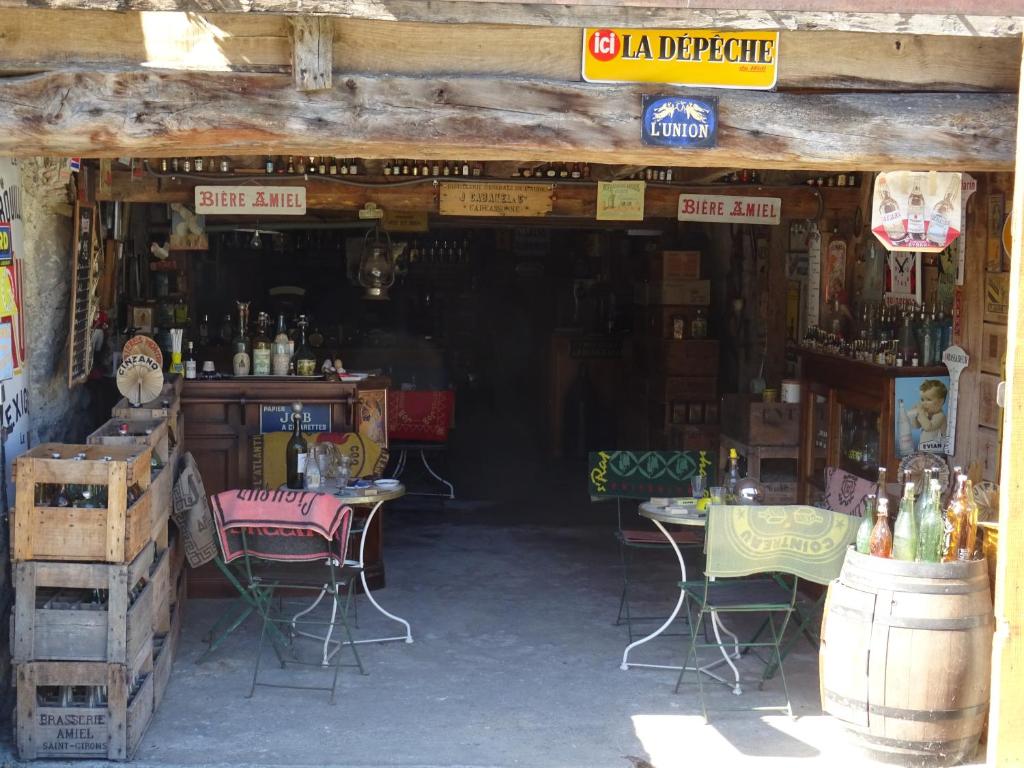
x=252, y=201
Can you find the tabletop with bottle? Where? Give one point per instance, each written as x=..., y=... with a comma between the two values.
x=926, y=529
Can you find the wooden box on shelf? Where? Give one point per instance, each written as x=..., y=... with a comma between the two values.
x=54, y=619
x=114, y=533
x=753, y=422
x=149, y=432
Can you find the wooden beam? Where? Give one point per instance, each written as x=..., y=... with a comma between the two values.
x=312, y=52
x=998, y=18
x=574, y=200
x=144, y=113
x=47, y=39
x=1005, y=736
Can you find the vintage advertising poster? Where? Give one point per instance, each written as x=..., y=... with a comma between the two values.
x=922, y=410
x=620, y=200
x=916, y=211
x=13, y=387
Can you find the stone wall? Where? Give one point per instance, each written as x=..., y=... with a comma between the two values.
x=57, y=413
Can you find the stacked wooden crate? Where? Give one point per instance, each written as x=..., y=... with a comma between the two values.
x=99, y=582
x=767, y=435
x=675, y=376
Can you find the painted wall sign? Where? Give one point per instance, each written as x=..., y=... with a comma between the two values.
x=695, y=57
x=405, y=221
x=922, y=408
x=679, y=121
x=997, y=297
x=278, y=418
x=730, y=208
x=14, y=407
x=6, y=243
x=916, y=211
x=620, y=200
x=481, y=199
x=956, y=360
x=251, y=201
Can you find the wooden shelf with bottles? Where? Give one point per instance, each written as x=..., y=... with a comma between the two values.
x=846, y=417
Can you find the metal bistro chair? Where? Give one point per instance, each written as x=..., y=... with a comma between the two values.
x=268, y=562
x=650, y=473
x=782, y=543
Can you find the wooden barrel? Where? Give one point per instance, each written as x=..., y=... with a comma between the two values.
x=905, y=657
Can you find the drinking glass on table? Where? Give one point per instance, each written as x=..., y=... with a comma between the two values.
x=717, y=494
x=697, y=484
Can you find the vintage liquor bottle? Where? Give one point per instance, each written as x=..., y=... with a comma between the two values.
x=892, y=216
x=880, y=543
x=304, y=359
x=280, y=354
x=915, y=211
x=295, y=454
x=261, y=345
x=241, y=351
x=191, y=367
x=942, y=211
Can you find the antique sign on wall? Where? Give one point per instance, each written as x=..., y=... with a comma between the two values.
x=695, y=57
x=405, y=221
x=916, y=211
x=316, y=417
x=620, y=200
x=482, y=199
x=675, y=121
x=251, y=201
x=922, y=414
x=730, y=208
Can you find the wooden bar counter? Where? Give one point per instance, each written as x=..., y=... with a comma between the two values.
x=221, y=418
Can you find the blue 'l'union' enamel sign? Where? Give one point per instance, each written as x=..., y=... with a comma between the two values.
x=679, y=121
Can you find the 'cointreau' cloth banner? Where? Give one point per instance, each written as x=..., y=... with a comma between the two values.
x=916, y=210
x=643, y=474
x=805, y=541
x=280, y=525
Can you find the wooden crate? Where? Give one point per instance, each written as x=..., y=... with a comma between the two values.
x=157, y=437
x=160, y=581
x=162, y=490
x=165, y=648
x=685, y=358
x=48, y=628
x=165, y=404
x=112, y=534
x=176, y=547
x=692, y=438
x=753, y=422
x=692, y=292
x=111, y=731
x=674, y=265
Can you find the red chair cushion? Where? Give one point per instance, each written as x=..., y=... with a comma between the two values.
x=420, y=415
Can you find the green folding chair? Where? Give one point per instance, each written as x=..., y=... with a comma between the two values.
x=779, y=545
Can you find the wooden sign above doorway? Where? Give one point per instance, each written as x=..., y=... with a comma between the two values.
x=730, y=209
x=483, y=199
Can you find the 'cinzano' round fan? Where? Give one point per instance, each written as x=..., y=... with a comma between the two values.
x=139, y=378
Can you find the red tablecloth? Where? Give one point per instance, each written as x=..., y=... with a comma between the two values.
x=423, y=415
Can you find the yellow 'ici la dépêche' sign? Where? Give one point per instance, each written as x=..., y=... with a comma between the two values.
x=693, y=57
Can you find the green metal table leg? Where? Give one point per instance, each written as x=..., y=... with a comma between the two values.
x=218, y=633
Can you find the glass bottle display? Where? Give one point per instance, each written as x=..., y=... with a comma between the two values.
x=191, y=365
x=304, y=359
x=915, y=211
x=939, y=221
x=968, y=523
x=295, y=454
x=241, y=357
x=261, y=346
x=880, y=543
x=867, y=523
x=280, y=353
x=904, y=538
x=930, y=532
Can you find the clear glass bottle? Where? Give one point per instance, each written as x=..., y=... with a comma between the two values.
x=915, y=211
x=191, y=366
x=241, y=351
x=261, y=346
x=733, y=479
x=904, y=538
x=280, y=354
x=699, y=326
x=930, y=532
x=304, y=358
x=296, y=453
x=867, y=523
x=880, y=542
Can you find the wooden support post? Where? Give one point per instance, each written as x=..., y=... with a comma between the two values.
x=1006, y=737
x=312, y=52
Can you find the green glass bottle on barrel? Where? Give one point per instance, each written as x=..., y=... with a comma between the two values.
x=930, y=534
x=866, y=524
x=904, y=539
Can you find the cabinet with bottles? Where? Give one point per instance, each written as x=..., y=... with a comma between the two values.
x=847, y=417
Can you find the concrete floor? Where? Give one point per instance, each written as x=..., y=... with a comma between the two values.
x=515, y=663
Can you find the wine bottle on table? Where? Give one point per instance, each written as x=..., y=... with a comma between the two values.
x=296, y=453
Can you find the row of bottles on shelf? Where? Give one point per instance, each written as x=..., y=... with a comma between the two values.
x=885, y=335
x=313, y=165
x=285, y=352
x=432, y=168
x=437, y=251
x=835, y=180
x=577, y=171
x=860, y=441
x=925, y=530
